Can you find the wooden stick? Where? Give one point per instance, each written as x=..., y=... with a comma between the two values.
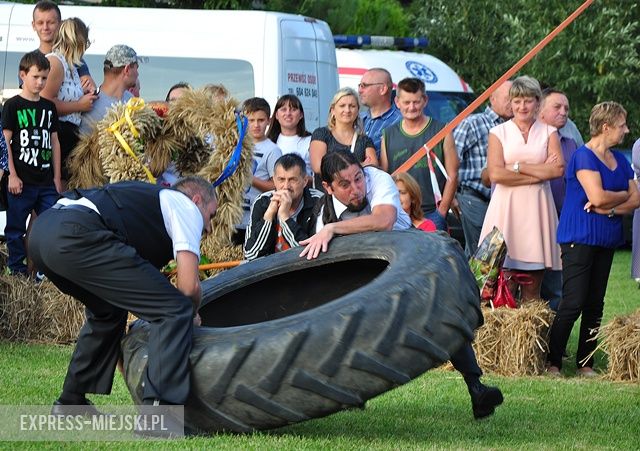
x=413, y=159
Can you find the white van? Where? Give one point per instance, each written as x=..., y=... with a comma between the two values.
x=252, y=53
x=448, y=92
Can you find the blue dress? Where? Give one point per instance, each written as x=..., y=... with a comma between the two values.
x=593, y=229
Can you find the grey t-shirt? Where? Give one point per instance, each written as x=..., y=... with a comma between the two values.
x=100, y=107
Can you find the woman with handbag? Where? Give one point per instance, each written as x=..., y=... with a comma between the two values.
x=600, y=190
x=523, y=155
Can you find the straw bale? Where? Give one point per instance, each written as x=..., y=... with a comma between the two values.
x=620, y=339
x=37, y=312
x=514, y=342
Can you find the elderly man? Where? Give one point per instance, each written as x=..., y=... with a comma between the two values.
x=120, y=74
x=375, y=89
x=105, y=248
x=281, y=218
x=367, y=200
x=554, y=111
x=471, y=139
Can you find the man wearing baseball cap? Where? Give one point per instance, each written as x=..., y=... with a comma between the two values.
x=120, y=74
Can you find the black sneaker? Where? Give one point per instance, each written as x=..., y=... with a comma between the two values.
x=484, y=399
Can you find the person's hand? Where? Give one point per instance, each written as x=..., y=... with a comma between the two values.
x=285, y=205
x=552, y=158
x=197, y=321
x=15, y=184
x=455, y=207
x=88, y=85
x=272, y=209
x=317, y=243
x=86, y=102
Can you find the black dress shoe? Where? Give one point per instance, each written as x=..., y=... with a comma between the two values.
x=484, y=399
x=85, y=409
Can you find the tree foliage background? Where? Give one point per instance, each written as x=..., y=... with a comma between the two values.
x=596, y=58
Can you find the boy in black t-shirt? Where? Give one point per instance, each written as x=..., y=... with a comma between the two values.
x=30, y=127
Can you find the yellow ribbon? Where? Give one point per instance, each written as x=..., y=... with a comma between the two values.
x=134, y=104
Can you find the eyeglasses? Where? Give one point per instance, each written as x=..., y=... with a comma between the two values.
x=366, y=85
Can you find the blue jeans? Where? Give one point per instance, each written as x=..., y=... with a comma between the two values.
x=551, y=289
x=438, y=220
x=33, y=197
x=473, y=210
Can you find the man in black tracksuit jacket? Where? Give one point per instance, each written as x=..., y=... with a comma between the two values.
x=280, y=219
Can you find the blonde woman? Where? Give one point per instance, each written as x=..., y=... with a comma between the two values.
x=63, y=84
x=344, y=132
x=523, y=155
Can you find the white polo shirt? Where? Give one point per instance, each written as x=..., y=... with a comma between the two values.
x=380, y=190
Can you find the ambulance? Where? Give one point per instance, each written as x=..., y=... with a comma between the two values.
x=448, y=93
x=252, y=53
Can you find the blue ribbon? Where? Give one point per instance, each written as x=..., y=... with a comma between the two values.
x=234, y=161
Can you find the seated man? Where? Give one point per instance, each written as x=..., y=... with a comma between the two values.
x=367, y=200
x=280, y=219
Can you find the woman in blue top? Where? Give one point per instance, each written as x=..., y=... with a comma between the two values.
x=599, y=190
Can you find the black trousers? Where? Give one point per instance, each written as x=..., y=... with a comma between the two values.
x=68, y=135
x=85, y=260
x=465, y=362
x=585, y=273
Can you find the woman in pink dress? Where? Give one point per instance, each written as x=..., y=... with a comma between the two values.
x=523, y=155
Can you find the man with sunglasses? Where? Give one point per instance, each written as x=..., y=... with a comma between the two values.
x=375, y=89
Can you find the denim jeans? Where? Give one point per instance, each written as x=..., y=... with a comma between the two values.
x=32, y=197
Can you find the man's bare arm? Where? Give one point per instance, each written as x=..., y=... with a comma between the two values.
x=188, y=277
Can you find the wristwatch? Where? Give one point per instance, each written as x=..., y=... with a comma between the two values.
x=612, y=212
x=516, y=167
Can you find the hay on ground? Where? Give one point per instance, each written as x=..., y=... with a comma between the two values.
x=38, y=312
x=514, y=342
x=620, y=339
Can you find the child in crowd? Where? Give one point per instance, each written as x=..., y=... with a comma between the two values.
x=265, y=154
x=30, y=128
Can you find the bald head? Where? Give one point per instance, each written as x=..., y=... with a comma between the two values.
x=375, y=88
x=500, y=101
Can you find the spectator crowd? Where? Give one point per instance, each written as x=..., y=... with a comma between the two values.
x=520, y=165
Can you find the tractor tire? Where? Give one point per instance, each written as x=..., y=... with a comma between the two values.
x=286, y=339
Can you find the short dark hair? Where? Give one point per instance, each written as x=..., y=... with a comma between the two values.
x=256, y=104
x=192, y=185
x=46, y=5
x=334, y=162
x=35, y=58
x=412, y=85
x=179, y=85
x=546, y=92
x=290, y=160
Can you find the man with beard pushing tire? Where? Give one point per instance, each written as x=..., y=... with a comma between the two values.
x=367, y=200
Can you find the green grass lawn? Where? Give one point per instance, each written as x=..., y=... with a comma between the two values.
x=433, y=411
